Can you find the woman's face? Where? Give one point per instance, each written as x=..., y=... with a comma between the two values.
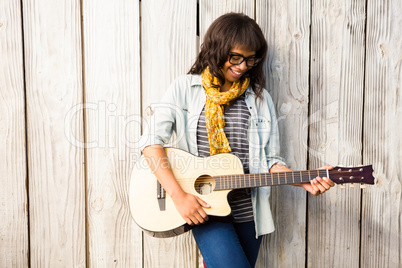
x=234, y=72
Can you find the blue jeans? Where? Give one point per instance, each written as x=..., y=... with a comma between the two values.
x=227, y=244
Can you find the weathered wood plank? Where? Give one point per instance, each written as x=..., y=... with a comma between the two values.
x=382, y=203
x=180, y=251
x=112, y=95
x=13, y=193
x=168, y=44
x=169, y=47
x=52, y=40
x=286, y=28
x=336, y=105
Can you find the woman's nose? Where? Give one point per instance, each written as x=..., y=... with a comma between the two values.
x=243, y=65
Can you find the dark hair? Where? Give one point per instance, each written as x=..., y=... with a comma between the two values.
x=226, y=32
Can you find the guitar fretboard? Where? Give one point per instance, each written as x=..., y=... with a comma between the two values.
x=227, y=182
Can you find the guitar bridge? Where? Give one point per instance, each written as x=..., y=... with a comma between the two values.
x=161, y=196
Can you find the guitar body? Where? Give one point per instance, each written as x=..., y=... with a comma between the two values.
x=194, y=175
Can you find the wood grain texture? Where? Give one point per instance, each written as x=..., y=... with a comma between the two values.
x=169, y=47
x=182, y=250
x=286, y=27
x=112, y=95
x=382, y=203
x=52, y=39
x=13, y=193
x=336, y=105
x=287, y=34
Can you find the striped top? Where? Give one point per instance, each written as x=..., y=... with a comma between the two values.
x=236, y=125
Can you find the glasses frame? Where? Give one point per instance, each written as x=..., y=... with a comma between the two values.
x=257, y=60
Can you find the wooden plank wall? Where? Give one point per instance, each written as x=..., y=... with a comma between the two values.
x=286, y=26
x=382, y=144
x=111, y=55
x=14, y=241
x=336, y=102
x=56, y=177
x=76, y=78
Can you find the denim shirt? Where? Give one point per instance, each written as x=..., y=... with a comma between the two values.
x=178, y=113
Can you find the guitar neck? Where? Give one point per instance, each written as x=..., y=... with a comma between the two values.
x=228, y=182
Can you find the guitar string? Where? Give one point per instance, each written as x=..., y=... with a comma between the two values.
x=281, y=178
x=282, y=175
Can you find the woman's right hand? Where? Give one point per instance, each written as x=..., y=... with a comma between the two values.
x=191, y=208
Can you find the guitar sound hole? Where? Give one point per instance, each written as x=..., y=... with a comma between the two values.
x=204, y=185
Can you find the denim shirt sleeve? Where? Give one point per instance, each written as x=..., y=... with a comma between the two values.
x=272, y=149
x=268, y=154
x=161, y=118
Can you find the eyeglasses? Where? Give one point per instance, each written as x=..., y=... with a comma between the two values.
x=237, y=59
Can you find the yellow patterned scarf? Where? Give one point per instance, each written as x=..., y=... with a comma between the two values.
x=214, y=108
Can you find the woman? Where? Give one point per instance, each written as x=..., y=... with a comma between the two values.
x=221, y=106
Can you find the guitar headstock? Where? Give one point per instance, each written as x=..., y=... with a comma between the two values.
x=363, y=175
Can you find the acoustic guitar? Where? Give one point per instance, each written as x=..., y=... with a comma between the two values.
x=211, y=178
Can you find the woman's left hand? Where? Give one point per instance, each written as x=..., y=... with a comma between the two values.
x=319, y=185
x=316, y=186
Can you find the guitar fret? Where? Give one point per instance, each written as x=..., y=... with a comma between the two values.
x=286, y=181
x=234, y=181
x=309, y=175
x=293, y=175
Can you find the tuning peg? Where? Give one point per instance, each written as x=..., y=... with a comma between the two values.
x=342, y=186
x=352, y=185
x=362, y=186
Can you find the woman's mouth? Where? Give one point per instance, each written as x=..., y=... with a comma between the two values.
x=234, y=73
